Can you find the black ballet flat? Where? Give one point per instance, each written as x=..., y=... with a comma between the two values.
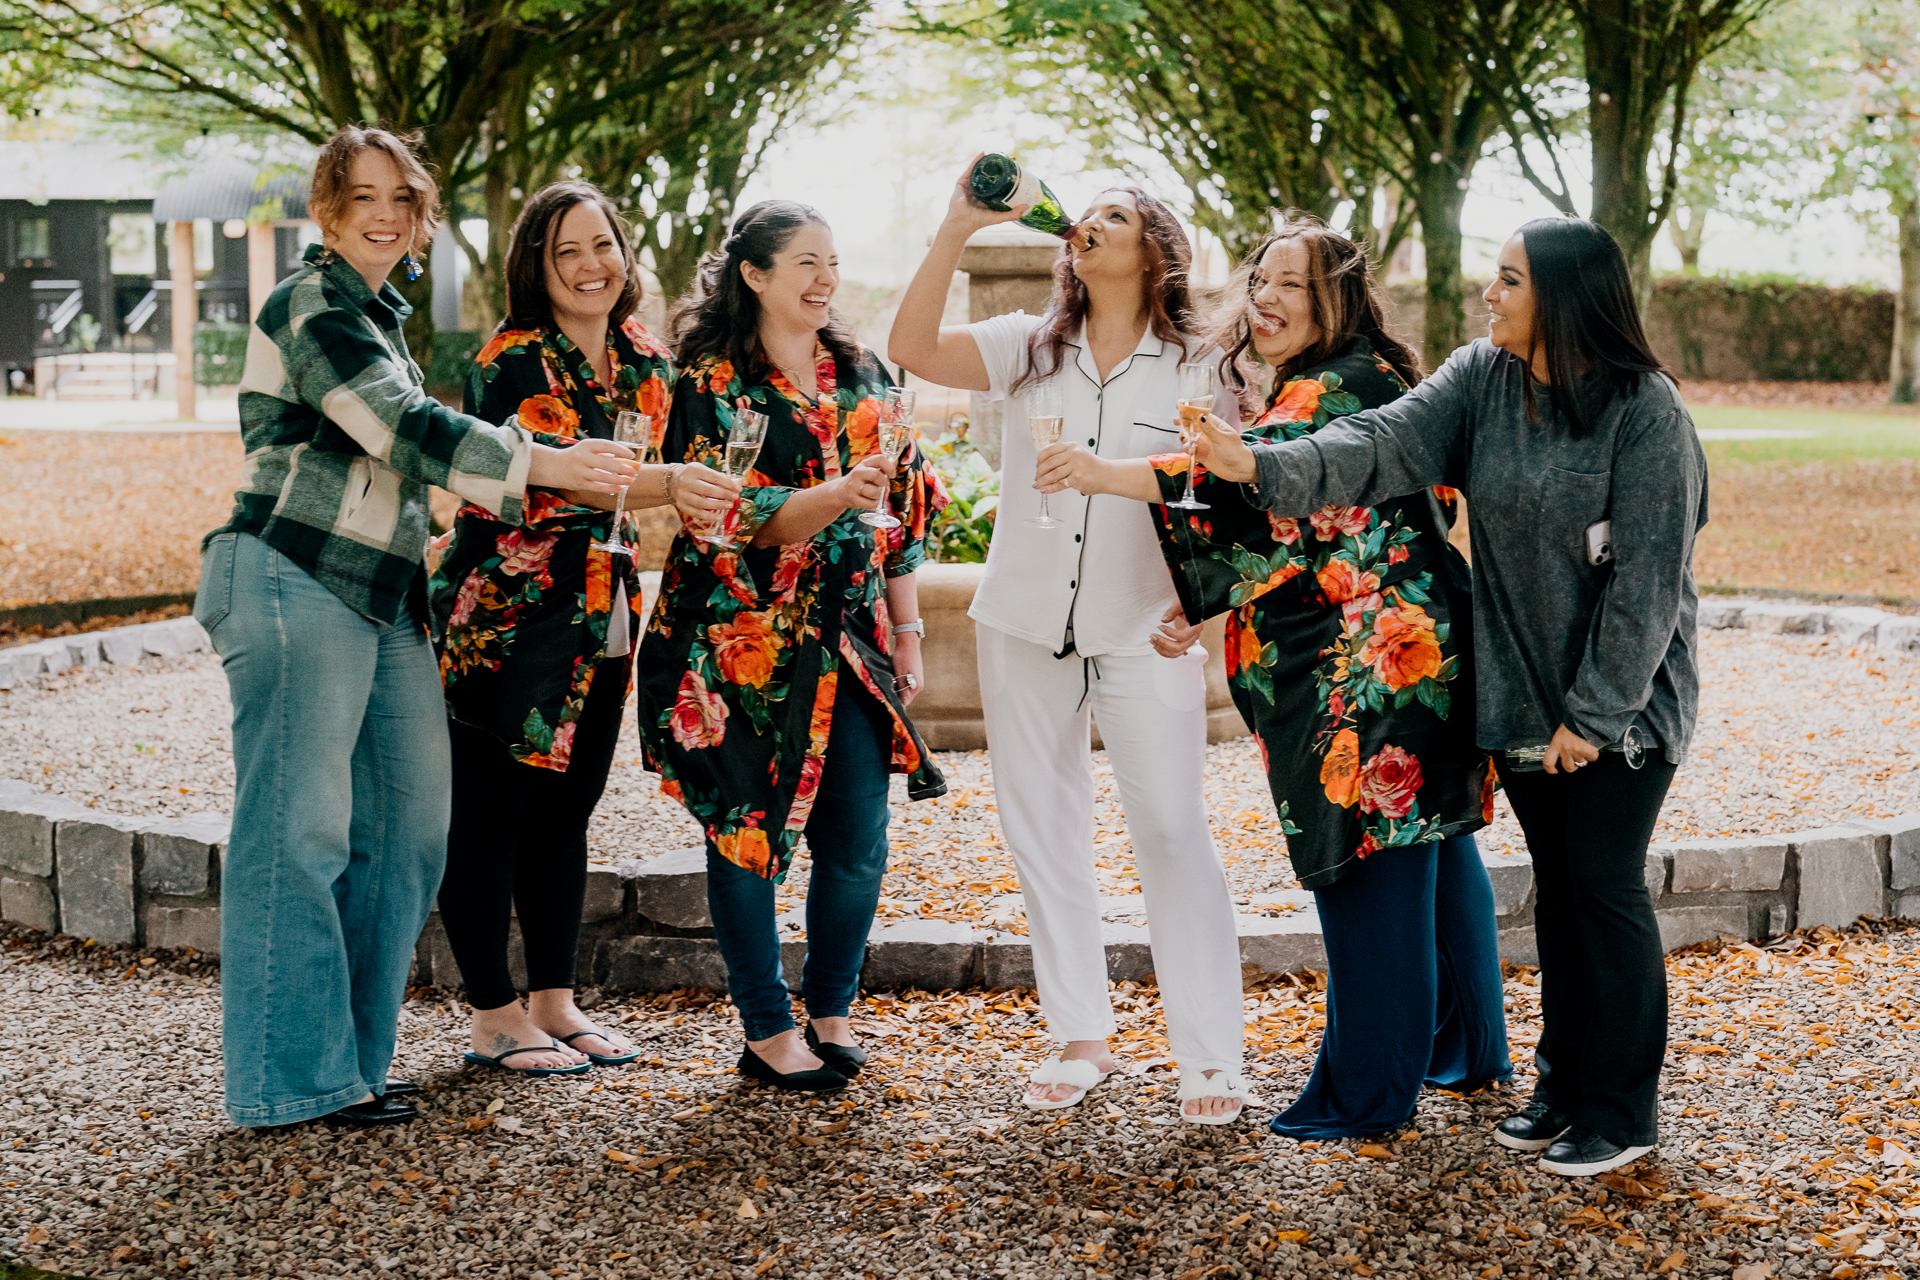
x=820, y=1080
x=377, y=1111
x=398, y=1088
x=847, y=1059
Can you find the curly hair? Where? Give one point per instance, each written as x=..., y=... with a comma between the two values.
x=721, y=315
x=332, y=186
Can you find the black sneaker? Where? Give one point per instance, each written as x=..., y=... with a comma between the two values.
x=1534, y=1128
x=1581, y=1153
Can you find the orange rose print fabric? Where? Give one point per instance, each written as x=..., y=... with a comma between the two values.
x=744, y=655
x=520, y=615
x=1342, y=651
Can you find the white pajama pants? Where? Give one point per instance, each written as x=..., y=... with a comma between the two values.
x=1153, y=720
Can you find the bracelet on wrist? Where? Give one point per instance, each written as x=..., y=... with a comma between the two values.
x=671, y=474
x=917, y=627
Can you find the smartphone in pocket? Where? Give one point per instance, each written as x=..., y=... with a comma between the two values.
x=1600, y=542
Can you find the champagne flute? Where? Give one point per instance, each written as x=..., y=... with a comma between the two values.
x=636, y=429
x=749, y=432
x=1046, y=416
x=896, y=424
x=1196, y=402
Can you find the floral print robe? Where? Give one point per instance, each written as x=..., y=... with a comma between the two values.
x=520, y=613
x=746, y=647
x=1347, y=645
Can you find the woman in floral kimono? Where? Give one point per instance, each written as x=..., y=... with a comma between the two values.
x=535, y=628
x=777, y=671
x=1347, y=658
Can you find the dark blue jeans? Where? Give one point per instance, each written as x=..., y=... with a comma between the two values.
x=847, y=838
x=1413, y=990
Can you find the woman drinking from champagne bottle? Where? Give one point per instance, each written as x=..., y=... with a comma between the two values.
x=1588, y=486
x=1076, y=614
x=777, y=669
x=536, y=626
x=1345, y=653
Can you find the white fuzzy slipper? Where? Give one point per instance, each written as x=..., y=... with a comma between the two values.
x=1221, y=1084
x=1078, y=1072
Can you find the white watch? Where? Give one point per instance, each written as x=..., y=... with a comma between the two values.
x=918, y=627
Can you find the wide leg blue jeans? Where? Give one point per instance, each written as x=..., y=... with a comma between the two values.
x=339, y=831
x=1413, y=991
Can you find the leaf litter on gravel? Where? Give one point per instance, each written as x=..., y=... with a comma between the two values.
x=928, y=1164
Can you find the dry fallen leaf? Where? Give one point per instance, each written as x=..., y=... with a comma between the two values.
x=748, y=1209
x=1374, y=1151
x=619, y=1157
x=37, y=1236
x=1674, y=1261
x=496, y=1105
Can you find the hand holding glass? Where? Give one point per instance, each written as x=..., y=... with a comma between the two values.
x=1195, y=398
x=896, y=424
x=743, y=448
x=634, y=429
x=1046, y=417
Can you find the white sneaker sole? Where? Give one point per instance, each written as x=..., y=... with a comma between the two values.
x=1528, y=1145
x=1628, y=1156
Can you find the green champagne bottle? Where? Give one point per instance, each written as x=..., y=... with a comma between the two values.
x=997, y=182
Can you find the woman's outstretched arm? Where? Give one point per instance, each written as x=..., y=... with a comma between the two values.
x=1362, y=458
x=918, y=344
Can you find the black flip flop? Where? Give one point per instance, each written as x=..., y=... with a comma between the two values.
x=500, y=1063
x=600, y=1059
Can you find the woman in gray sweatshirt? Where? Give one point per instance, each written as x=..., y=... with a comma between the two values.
x=1586, y=485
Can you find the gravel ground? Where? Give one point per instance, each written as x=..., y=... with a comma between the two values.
x=1790, y=1107
x=1793, y=734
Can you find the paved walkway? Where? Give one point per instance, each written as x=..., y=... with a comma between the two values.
x=23, y=413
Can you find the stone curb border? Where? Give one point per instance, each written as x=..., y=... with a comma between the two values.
x=119, y=646
x=1856, y=625
x=65, y=868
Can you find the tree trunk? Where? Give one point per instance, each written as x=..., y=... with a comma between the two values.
x=1903, y=374
x=1439, y=196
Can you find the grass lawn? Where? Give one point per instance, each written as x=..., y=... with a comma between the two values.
x=1832, y=511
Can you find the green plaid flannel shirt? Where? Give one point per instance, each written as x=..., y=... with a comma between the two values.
x=343, y=440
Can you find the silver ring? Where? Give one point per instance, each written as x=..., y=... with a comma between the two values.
x=908, y=681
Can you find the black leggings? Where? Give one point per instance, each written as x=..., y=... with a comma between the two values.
x=1603, y=976
x=519, y=839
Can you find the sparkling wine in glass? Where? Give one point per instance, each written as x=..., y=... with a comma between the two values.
x=1196, y=402
x=896, y=424
x=743, y=448
x=1046, y=416
x=635, y=429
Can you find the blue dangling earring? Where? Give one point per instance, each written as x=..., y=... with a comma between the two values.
x=414, y=269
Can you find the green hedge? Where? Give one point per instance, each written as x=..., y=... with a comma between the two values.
x=1771, y=328
x=219, y=354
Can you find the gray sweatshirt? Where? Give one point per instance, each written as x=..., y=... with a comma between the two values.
x=1556, y=640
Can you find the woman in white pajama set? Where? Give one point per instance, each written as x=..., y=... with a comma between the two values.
x=1082, y=620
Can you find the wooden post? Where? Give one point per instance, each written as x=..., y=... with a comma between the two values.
x=261, y=275
x=186, y=315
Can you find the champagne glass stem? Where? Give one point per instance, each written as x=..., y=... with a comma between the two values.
x=615, y=543
x=1192, y=448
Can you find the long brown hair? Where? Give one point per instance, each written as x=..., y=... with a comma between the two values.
x=1346, y=305
x=1585, y=316
x=720, y=315
x=1169, y=309
x=528, y=304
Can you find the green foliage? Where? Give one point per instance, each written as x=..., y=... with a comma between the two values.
x=963, y=530
x=84, y=333
x=219, y=354
x=453, y=353
x=1775, y=328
